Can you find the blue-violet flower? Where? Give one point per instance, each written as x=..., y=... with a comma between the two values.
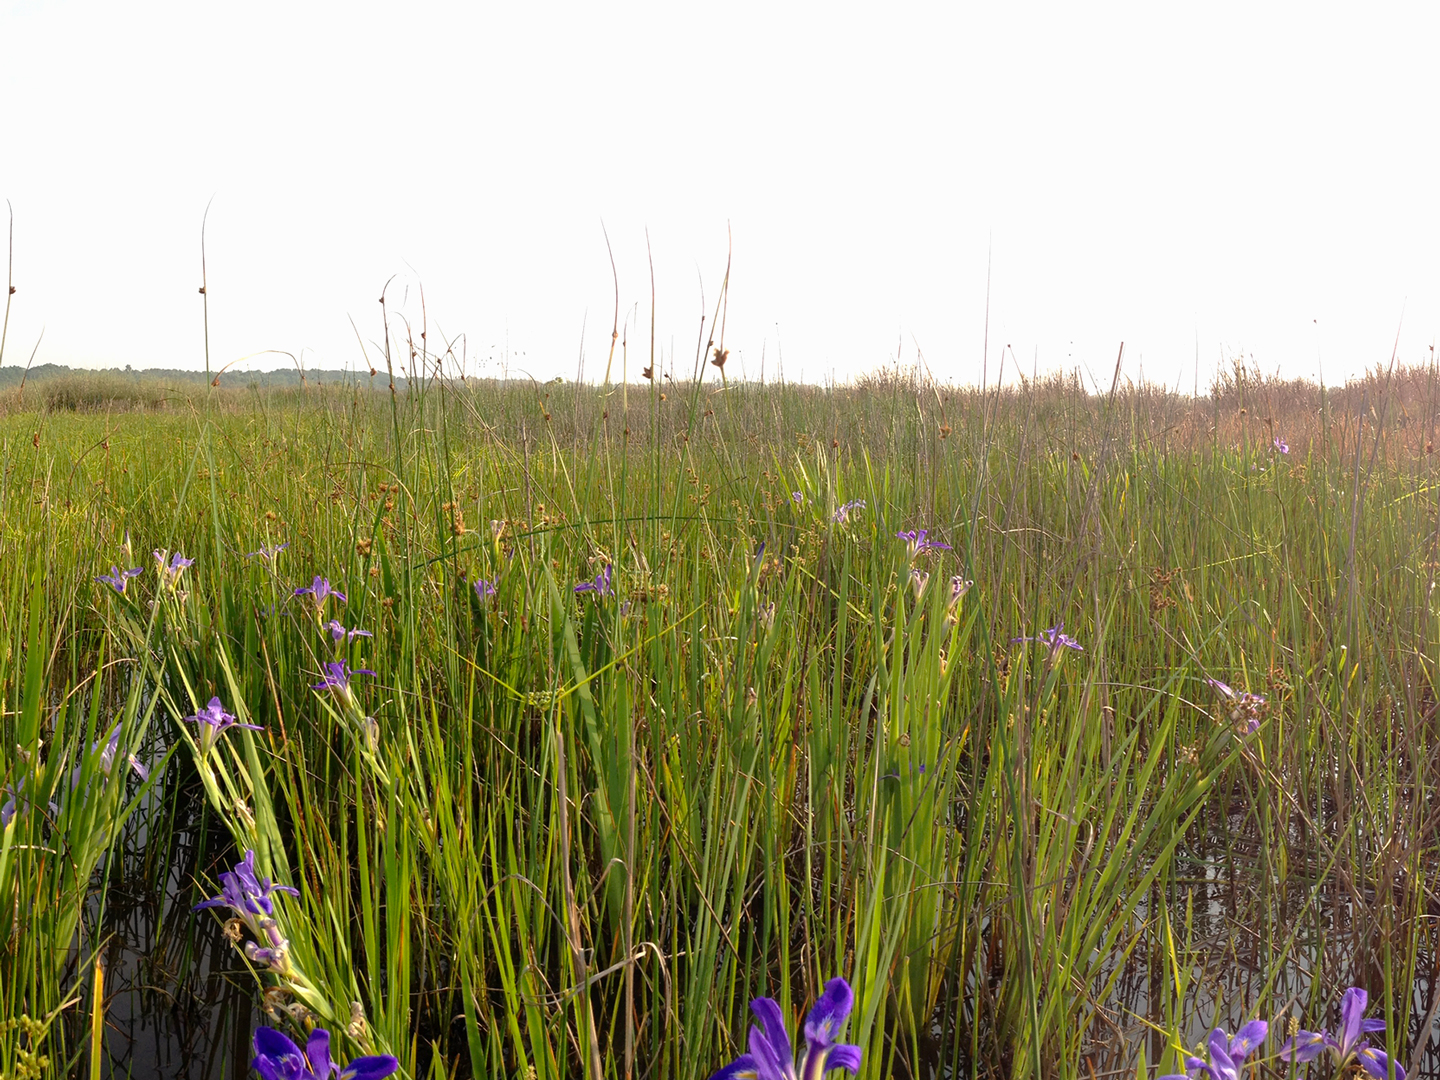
x=118, y=579
x=1226, y=1055
x=1350, y=1046
x=320, y=590
x=919, y=541
x=214, y=721
x=770, y=1056
x=600, y=586
x=277, y=1058
x=337, y=680
x=1054, y=637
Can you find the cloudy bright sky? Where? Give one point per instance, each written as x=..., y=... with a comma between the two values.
x=1227, y=179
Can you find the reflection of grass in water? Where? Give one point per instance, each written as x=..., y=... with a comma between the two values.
x=745, y=806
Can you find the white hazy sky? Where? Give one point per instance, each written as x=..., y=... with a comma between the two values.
x=1227, y=179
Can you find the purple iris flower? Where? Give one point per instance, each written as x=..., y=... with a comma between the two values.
x=1350, y=1046
x=337, y=680
x=338, y=633
x=277, y=1058
x=244, y=893
x=600, y=586
x=484, y=589
x=1226, y=1055
x=248, y=897
x=842, y=514
x=107, y=757
x=214, y=721
x=12, y=805
x=118, y=579
x=320, y=590
x=107, y=753
x=1054, y=637
x=268, y=553
x=919, y=542
x=798, y=498
x=17, y=803
x=170, y=575
x=1245, y=707
x=1281, y=445
x=770, y=1056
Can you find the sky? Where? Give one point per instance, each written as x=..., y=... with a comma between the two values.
x=990, y=187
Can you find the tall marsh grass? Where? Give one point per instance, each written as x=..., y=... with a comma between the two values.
x=566, y=834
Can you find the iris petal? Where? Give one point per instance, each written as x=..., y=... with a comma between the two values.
x=1352, y=1014
x=1247, y=1039
x=742, y=1068
x=276, y=1057
x=1219, y=1047
x=844, y=1056
x=1377, y=1063
x=1305, y=1046
x=372, y=1067
x=829, y=1013
x=318, y=1051
x=767, y=1011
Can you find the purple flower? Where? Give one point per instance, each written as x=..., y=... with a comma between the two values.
x=338, y=633
x=919, y=542
x=249, y=897
x=320, y=590
x=117, y=578
x=214, y=721
x=1350, y=1046
x=600, y=586
x=1226, y=1055
x=842, y=515
x=277, y=1058
x=246, y=895
x=1281, y=445
x=1245, y=707
x=797, y=498
x=267, y=553
x=17, y=803
x=337, y=680
x=106, y=762
x=170, y=575
x=484, y=589
x=770, y=1056
x=1223, y=688
x=1054, y=638
x=107, y=754
x=107, y=758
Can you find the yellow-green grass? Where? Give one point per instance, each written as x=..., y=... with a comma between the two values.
x=589, y=830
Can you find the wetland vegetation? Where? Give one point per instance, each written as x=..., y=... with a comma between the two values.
x=1063, y=726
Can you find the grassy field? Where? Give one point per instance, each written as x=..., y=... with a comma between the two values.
x=571, y=833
